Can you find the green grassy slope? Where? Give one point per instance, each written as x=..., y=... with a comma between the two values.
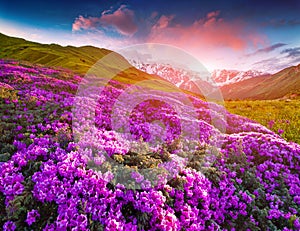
x=284, y=84
x=274, y=114
x=78, y=59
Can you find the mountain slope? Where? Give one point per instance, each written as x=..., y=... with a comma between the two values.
x=285, y=83
x=78, y=59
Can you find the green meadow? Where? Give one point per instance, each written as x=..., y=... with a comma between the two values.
x=274, y=114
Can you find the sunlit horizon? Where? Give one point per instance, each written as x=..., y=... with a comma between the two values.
x=220, y=36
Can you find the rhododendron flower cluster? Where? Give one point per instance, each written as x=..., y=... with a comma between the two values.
x=244, y=178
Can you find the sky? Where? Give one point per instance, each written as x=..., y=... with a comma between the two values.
x=233, y=34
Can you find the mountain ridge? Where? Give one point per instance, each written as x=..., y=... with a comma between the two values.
x=234, y=85
x=284, y=84
x=224, y=77
x=80, y=60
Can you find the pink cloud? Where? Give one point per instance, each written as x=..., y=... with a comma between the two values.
x=163, y=22
x=85, y=23
x=213, y=14
x=211, y=19
x=212, y=39
x=122, y=20
x=210, y=31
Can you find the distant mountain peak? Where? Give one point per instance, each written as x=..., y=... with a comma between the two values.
x=224, y=77
x=179, y=75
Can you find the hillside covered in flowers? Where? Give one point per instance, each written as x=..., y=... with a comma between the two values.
x=244, y=177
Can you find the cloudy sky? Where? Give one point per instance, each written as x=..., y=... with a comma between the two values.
x=233, y=34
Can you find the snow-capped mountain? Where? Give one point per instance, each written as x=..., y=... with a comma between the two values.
x=226, y=77
x=176, y=75
x=182, y=77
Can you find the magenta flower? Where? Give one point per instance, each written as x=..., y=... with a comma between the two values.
x=137, y=176
x=9, y=226
x=251, y=165
x=271, y=124
x=31, y=216
x=19, y=128
x=297, y=224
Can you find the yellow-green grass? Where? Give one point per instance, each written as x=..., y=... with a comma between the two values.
x=78, y=59
x=284, y=113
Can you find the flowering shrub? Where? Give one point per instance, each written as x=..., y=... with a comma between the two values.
x=47, y=180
